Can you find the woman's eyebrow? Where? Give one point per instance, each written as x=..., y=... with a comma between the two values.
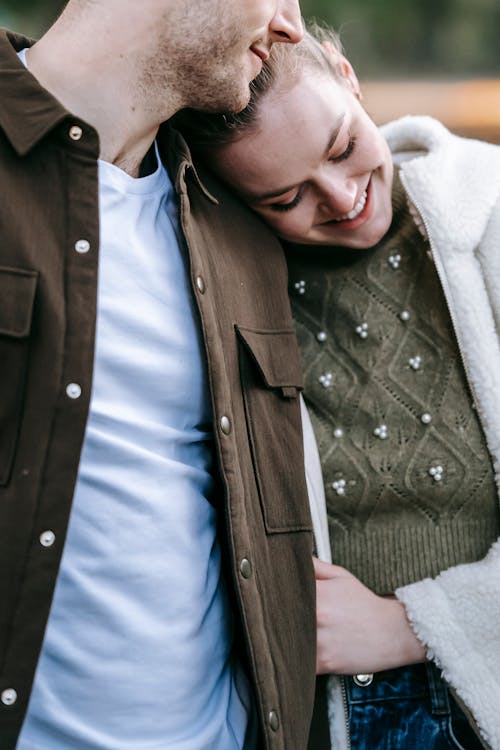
x=331, y=140
x=334, y=135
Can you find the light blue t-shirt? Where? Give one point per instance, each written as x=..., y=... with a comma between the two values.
x=137, y=651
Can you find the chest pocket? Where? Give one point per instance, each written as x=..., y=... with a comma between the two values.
x=17, y=294
x=271, y=376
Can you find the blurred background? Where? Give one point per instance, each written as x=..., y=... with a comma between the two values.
x=439, y=57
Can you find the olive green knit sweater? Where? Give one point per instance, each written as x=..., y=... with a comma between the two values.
x=409, y=483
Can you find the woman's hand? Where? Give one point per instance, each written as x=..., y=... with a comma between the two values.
x=358, y=631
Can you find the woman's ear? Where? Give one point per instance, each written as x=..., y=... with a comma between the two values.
x=344, y=69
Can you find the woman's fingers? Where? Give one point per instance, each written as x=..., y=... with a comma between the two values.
x=324, y=570
x=357, y=630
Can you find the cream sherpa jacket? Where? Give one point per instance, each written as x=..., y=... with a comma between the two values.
x=454, y=185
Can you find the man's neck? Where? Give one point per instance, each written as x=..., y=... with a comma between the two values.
x=101, y=92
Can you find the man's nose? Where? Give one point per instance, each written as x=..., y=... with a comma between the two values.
x=286, y=25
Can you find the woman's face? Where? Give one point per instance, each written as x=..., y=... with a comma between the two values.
x=316, y=169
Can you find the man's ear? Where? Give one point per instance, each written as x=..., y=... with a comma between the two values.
x=344, y=69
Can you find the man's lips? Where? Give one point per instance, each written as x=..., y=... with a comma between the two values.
x=260, y=52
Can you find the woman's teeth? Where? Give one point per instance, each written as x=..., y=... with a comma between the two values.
x=356, y=210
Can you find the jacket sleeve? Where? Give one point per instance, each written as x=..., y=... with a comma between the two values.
x=457, y=617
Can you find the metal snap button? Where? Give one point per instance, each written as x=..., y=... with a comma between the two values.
x=75, y=132
x=8, y=697
x=47, y=538
x=273, y=721
x=363, y=680
x=246, y=568
x=73, y=390
x=82, y=246
x=225, y=425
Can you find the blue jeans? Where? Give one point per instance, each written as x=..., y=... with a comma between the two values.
x=407, y=709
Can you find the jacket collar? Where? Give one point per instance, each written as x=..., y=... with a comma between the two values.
x=177, y=157
x=452, y=181
x=28, y=111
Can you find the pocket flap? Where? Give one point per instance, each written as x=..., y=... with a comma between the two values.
x=277, y=357
x=17, y=295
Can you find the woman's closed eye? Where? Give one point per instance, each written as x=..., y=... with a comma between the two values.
x=347, y=151
x=290, y=204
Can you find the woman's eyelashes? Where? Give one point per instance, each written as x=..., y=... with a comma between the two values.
x=291, y=204
x=347, y=151
x=298, y=197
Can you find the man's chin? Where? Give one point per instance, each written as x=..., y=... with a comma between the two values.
x=240, y=102
x=230, y=105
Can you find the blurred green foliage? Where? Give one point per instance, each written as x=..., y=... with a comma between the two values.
x=389, y=38
x=29, y=17
x=396, y=38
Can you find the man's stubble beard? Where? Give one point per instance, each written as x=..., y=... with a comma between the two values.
x=207, y=75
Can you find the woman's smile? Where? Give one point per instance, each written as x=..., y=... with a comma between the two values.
x=316, y=139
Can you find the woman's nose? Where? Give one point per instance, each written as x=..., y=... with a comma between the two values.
x=339, y=195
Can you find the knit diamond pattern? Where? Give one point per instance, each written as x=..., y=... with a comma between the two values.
x=409, y=482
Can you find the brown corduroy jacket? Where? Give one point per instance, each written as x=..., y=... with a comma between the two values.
x=49, y=243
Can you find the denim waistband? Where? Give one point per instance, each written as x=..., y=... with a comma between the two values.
x=416, y=682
